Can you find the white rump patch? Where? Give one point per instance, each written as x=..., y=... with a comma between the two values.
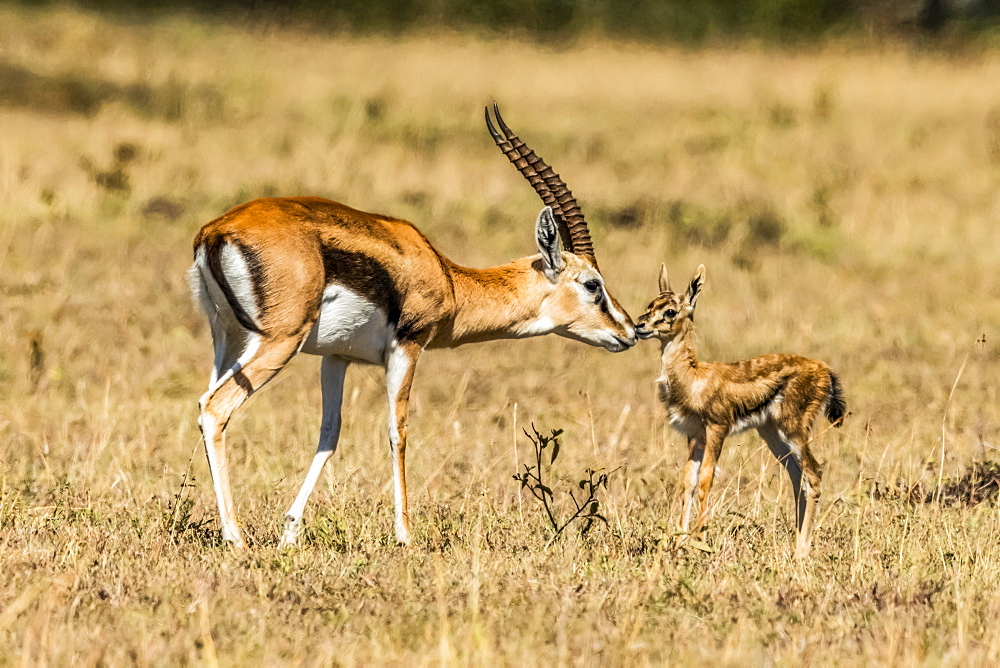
x=237, y=273
x=197, y=281
x=210, y=296
x=349, y=326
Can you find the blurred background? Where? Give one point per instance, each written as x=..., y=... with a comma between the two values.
x=661, y=22
x=835, y=165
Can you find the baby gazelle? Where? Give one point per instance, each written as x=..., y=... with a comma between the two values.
x=779, y=395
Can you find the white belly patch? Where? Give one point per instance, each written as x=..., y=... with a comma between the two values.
x=349, y=326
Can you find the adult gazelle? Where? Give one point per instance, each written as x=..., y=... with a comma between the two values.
x=280, y=276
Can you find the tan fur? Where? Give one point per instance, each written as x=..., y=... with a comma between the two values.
x=446, y=303
x=779, y=395
x=293, y=249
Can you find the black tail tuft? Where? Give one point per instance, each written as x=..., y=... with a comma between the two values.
x=836, y=408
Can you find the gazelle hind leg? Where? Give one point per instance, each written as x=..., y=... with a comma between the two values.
x=229, y=338
x=260, y=361
x=400, y=362
x=228, y=348
x=811, y=491
x=789, y=455
x=332, y=374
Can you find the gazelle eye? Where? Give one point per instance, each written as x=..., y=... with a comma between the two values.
x=593, y=285
x=670, y=313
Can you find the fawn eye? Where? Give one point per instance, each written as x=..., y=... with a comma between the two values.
x=670, y=313
x=592, y=285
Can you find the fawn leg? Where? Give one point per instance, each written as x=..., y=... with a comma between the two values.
x=814, y=473
x=715, y=436
x=696, y=451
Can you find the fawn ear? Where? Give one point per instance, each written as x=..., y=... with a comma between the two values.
x=664, y=279
x=694, y=288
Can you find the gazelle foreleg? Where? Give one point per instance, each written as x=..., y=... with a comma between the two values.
x=715, y=436
x=696, y=452
x=332, y=378
x=400, y=362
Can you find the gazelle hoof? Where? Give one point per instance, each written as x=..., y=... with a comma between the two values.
x=291, y=534
x=235, y=540
x=402, y=533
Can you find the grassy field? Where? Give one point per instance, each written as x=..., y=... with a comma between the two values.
x=846, y=205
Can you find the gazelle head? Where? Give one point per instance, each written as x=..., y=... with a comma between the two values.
x=671, y=313
x=578, y=306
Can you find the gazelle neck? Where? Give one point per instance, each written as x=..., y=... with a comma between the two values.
x=501, y=302
x=677, y=355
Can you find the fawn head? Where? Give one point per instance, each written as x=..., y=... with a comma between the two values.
x=671, y=313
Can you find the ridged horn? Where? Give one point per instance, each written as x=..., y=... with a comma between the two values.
x=549, y=186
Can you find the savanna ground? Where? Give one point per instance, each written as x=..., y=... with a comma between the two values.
x=845, y=202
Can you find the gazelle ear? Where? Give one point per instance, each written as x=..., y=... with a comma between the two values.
x=664, y=279
x=547, y=237
x=694, y=288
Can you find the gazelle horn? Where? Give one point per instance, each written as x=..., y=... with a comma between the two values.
x=549, y=186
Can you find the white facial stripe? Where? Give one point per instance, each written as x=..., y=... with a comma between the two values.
x=615, y=313
x=237, y=273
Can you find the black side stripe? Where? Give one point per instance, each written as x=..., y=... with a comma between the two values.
x=213, y=254
x=745, y=411
x=365, y=276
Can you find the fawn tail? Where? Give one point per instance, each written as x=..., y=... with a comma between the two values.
x=836, y=408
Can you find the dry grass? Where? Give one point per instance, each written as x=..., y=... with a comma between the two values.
x=846, y=207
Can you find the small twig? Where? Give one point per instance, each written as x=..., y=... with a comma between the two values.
x=180, y=492
x=532, y=479
x=944, y=418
